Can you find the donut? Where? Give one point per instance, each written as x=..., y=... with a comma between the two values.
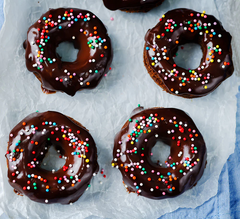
x=87, y=33
x=176, y=28
x=28, y=144
x=132, y=5
x=132, y=153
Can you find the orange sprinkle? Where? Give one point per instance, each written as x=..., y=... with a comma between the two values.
x=88, y=83
x=95, y=32
x=21, y=150
x=14, y=159
x=105, y=47
x=35, y=176
x=196, y=135
x=36, y=143
x=165, y=50
x=159, y=179
x=192, y=30
x=95, y=28
x=175, y=178
x=162, y=118
x=179, y=78
x=167, y=58
x=85, y=32
x=173, y=188
x=174, y=122
x=134, y=177
x=17, y=150
x=41, y=179
x=211, y=35
x=172, y=89
x=154, y=49
x=47, y=187
x=170, y=179
x=72, y=185
x=121, y=165
x=70, y=76
x=24, y=123
x=213, y=57
x=183, y=84
x=149, y=179
x=177, y=42
x=144, y=131
x=126, y=167
x=207, y=59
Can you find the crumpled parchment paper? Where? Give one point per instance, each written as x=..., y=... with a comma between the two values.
x=105, y=109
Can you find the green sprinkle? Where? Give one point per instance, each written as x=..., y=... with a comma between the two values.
x=139, y=105
x=180, y=171
x=130, y=120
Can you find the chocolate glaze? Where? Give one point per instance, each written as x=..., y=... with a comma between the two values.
x=86, y=32
x=181, y=26
x=184, y=166
x=140, y=5
x=29, y=142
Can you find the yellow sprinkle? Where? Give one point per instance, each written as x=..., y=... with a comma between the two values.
x=158, y=36
x=210, y=54
x=87, y=160
x=113, y=164
x=163, y=16
x=199, y=79
x=63, y=136
x=46, y=21
x=38, y=55
x=153, y=63
x=217, y=46
x=204, y=12
x=193, y=71
x=65, y=15
x=139, y=127
x=198, y=159
x=84, y=156
x=206, y=31
x=205, y=87
x=149, y=130
x=184, y=165
x=212, y=60
x=202, y=15
x=156, y=119
x=132, y=142
x=90, y=45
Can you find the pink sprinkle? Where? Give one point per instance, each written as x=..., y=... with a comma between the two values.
x=39, y=21
x=87, y=139
x=163, y=193
x=11, y=135
x=105, y=75
x=111, y=18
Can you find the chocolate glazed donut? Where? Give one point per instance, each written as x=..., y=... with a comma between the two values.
x=132, y=5
x=182, y=26
x=86, y=32
x=29, y=142
x=132, y=150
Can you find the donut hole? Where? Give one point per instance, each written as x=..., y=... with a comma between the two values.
x=67, y=52
x=160, y=153
x=188, y=56
x=52, y=161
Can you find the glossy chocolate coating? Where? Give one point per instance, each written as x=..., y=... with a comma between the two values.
x=181, y=26
x=86, y=32
x=140, y=5
x=132, y=149
x=29, y=142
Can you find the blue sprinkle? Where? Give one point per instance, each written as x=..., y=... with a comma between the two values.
x=168, y=173
x=137, y=187
x=76, y=19
x=59, y=181
x=195, y=28
x=63, y=18
x=136, y=140
x=29, y=176
x=46, y=123
x=48, y=38
x=170, y=190
x=50, y=62
x=100, y=39
x=85, y=19
x=32, y=126
x=150, y=124
x=44, y=18
x=54, y=123
x=147, y=48
x=152, y=58
x=16, y=144
x=60, y=27
x=171, y=165
x=214, y=33
x=47, y=190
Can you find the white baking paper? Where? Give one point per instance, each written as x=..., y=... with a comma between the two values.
x=105, y=109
